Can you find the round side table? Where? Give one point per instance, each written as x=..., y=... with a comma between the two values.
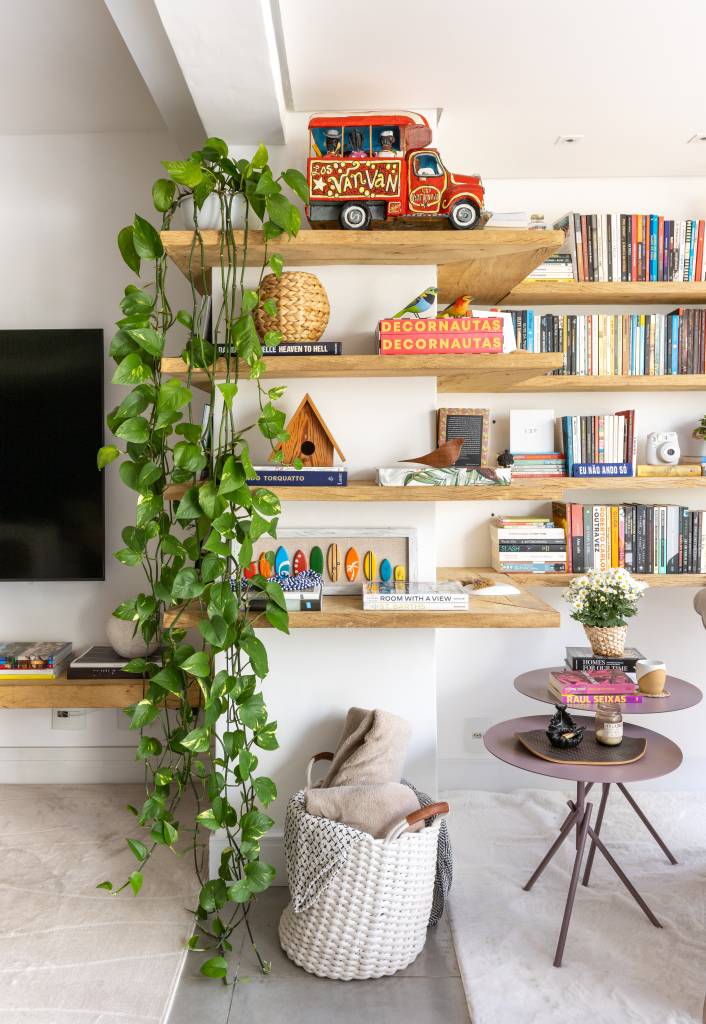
x=661, y=757
x=683, y=695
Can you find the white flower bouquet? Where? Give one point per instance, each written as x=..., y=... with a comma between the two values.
x=604, y=598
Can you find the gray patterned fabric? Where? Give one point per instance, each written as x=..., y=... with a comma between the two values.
x=316, y=849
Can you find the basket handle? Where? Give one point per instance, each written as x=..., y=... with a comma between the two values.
x=430, y=811
x=325, y=755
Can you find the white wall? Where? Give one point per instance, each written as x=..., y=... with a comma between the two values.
x=62, y=202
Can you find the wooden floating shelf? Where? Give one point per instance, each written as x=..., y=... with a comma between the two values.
x=562, y=579
x=569, y=382
x=496, y=373
x=77, y=693
x=519, y=611
x=545, y=489
x=486, y=263
x=604, y=293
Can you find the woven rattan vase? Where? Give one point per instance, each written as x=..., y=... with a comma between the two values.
x=608, y=641
x=302, y=306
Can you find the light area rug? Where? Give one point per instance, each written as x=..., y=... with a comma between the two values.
x=617, y=968
x=72, y=954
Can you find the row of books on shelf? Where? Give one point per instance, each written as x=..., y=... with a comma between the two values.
x=527, y=544
x=27, y=661
x=600, y=445
x=634, y=247
x=617, y=344
x=645, y=539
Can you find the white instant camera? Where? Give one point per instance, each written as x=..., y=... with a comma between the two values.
x=662, y=448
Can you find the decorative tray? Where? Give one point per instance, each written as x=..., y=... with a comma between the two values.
x=589, y=750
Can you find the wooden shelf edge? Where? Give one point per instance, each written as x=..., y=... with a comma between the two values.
x=624, y=383
x=562, y=579
x=622, y=293
x=78, y=693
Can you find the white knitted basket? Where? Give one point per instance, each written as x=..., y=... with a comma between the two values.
x=372, y=920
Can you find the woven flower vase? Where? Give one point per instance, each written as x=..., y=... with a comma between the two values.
x=302, y=306
x=608, y=641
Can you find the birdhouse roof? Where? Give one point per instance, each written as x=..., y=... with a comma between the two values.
x=308, y=400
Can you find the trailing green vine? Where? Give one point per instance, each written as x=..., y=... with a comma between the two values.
x=195, y=550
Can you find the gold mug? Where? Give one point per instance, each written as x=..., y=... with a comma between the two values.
x=651, y=676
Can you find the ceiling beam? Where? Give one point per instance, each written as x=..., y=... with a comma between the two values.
x=140, y=25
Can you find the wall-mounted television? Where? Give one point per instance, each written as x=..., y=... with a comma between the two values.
x=52, y=518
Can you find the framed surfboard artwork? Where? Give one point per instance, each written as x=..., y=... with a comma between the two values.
x=345, y=557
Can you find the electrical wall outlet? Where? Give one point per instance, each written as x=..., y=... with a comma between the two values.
x=473, y=731
x=68, y=718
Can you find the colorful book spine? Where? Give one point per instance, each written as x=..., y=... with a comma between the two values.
x=284, y=477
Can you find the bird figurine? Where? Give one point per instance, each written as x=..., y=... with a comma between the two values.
x=423, y=305
x=445, y=455
x=459, y=307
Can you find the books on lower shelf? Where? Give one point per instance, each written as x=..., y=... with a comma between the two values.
x=644, y=539
x=414, y=596
x=600, y=445
x=307, y=476
x=530, y=465
x=600, y=686
x=583, y=658
x=527, y=545
x=33, y=659
x=100, y=661
x=617, y=344
x=634, y=247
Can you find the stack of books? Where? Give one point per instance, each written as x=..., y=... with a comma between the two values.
x=559, y=267
x=476, y=333
x=33, y=660
x=593, y=686
x=414, y=596
x=617, y=344
x=307, y=476
x=644, y=539
x=101, y=662
x=527, y=544
x=295, y=348
x=517, y=219
x=583, y=658
x=634, y=247
x=600, y=445
x=531, y=465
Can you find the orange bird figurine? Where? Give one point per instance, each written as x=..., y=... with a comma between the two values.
x=459, y=306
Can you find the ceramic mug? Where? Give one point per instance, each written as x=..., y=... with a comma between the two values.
x=651, y=676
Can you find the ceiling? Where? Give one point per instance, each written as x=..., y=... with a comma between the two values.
x=65, y=69
x=512, y=75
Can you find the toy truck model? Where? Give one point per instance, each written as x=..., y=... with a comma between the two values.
x=378, y=167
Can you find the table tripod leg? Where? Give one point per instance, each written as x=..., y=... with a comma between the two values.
x=622, y=876
x=587, y=790
x=599, y=822
x=647, y=823
x=563, y=833
x=581, y=832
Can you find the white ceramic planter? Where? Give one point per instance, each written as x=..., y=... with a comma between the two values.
x=210, y=213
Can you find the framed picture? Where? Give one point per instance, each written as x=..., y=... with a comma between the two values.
x=470, y=424
x=393, y=549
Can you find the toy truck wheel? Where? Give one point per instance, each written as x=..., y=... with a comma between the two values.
x=355, y=217
x=464, y=215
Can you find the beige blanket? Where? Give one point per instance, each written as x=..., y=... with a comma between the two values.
x=371, y=751
x=373, y=809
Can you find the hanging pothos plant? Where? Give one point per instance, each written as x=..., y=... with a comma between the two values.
x=195, y=549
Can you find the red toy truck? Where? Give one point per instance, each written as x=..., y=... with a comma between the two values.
x=376, y=166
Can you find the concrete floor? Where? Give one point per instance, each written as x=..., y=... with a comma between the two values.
x=429, y=990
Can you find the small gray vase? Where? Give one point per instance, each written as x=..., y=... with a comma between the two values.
x=125, y=641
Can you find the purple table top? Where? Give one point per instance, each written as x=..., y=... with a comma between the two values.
x=661, y=757
x=535, y=684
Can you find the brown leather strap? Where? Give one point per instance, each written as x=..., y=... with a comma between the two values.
x=427, y=812
x=325, y=755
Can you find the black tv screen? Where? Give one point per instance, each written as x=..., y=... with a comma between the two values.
x=51, y=427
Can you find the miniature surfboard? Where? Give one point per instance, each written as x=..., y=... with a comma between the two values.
x=264, y=566
x=352, y=564
x=333, y=562
x=316, y=560
x=400, y=574
x=369, y=565
x=250, y=571
x=282, y=565
x=299, y=562
x=385, y=570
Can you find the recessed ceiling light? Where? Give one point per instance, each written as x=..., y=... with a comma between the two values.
x=568, y=140
x=699, y=137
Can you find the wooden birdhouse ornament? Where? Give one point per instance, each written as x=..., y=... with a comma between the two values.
x=309, y=438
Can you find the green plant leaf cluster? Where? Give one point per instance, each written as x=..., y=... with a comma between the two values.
x=203, y=721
